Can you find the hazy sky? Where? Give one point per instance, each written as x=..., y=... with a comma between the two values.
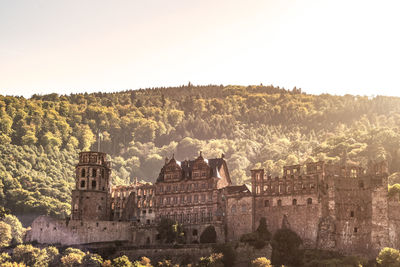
x=320, y=46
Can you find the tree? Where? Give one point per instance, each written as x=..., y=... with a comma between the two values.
x=285, y=248
x=214, y=260
x=261, y=262
x=388, y=257
x=17, y=231
x=229, y=253
x=5, y=234
x=92, y=260
x=122, y=261
x=208, y=235
x=71, y=260
x=28, y=254
x=170, y=231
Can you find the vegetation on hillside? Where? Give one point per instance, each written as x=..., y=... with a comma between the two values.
x=254, y=126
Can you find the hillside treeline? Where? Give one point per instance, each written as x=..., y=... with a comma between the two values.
x=254, y=126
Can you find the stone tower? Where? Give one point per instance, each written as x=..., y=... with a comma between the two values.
x=91, y=197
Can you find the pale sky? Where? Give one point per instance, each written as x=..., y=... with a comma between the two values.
x=70, y=46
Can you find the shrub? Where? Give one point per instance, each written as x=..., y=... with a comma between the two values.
x=5, y=234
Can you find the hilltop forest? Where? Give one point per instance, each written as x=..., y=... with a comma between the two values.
x=254, y=126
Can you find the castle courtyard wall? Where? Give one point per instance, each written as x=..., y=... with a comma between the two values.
x=46, y=230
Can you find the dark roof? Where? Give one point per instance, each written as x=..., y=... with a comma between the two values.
x=187, y=167
x=234, y=189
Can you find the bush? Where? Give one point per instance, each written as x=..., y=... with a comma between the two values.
x=209, y=235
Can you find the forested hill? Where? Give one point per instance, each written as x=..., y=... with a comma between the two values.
x=255, y=126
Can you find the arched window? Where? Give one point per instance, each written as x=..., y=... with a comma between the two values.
x=244, y=208
x=309, y=201
x=279, y=202
x=233, y=209
x=294, y=202
x=83, y=173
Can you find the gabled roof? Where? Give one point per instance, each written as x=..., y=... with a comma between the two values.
x=187, y=167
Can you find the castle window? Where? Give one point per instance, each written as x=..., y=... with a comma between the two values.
x=361, y=184
x=294, y=202
x=351, y=213
x=210, y=197
x=266, y=203
x=353, y=173
x=150, y=211
x=168, y=200
x=94, y=172
x=210, y=216
x=233, y=209
x=279, y=202
x=83, y=173
x=104, y=189
x=161, y=188
x=99, y=208
x=112, y=206
x=175, y=200
x=210, y=185
x=244, y=208
x=144, y=212
x=182, y=199
x=203, y=198
x=196, y=199
x=355, y=230
x=311, y=186
x=196, y=219
x=189, y=199
x=93, y=184
x=203, y=186
x=196, y=185
x=265, y=188
x=175, y=188
x=82, y=184
x=182, y=187
x=203, y=215
x=168, y=188
x=309, y=201
x=194, y=233
x=76, y=207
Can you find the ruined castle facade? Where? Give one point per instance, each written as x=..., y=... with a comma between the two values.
x=330, y=206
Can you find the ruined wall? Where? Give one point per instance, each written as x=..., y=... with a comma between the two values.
x=46, y=230
x=353, y=215
x=239, y=216
x=90, y=205
x=303, y=217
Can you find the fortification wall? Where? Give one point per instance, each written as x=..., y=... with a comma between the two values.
x=394, y=222
x=239, y=215
x=303, y=218
x=46, y=230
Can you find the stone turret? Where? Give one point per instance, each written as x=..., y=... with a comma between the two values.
x=91, y=197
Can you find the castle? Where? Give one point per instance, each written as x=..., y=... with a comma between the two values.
x=338, y=207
